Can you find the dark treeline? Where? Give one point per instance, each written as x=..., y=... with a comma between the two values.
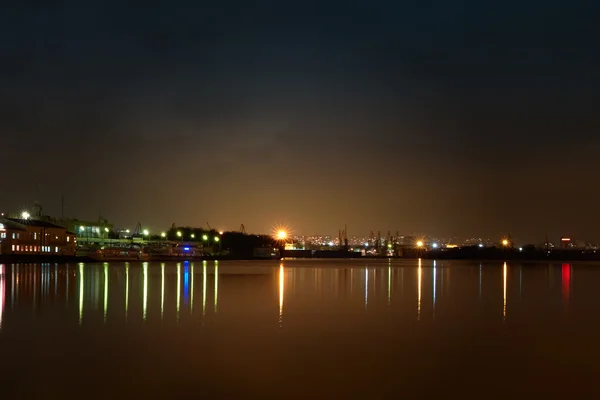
x=233, y=243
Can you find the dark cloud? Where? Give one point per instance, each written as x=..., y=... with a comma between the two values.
x=455, y=117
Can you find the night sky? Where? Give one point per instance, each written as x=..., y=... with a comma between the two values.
x=439, y=117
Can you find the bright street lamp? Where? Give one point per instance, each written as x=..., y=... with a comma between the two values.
x=505, y=242
x=205, y=237
x=420, y=243
x=192, y=236
x=178, y=234
x=146, y=233
x=162, y=234
x=25, y=215
x=216, y=238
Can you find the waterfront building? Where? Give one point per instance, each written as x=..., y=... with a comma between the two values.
x=29, y=236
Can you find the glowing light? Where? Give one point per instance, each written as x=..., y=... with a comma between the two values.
x=163, y=234
x=565, y=239
x=178, y=234
x=186, y=248
x=220, y=232
x=106, y=230
x=480, y=245
x=505, y=242
x=81, y=228
x=216, y=239
x=204, y=237
x=520, y=249
x=146, y=232
x=80, y=293
x=435, y=245
x=419, y=243
x=281, y=290
x=145, y=299
x=504, y=274
x=281, y=233
x=192, y=236
x=25, y=215
x=419, y=273
x=105, y=291
x=162, y=290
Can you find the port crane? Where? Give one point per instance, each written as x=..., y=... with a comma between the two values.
x=242, y=229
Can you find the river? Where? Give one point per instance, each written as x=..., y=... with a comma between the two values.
x=299, y=329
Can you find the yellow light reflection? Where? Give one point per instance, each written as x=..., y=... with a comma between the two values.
x=203, y=288
x=80, y=293
x=162, y=290
x=126, y=290
x=504, y=273
x=419, y=273
x=178, y=289
x=105, y=291
x=192, y=288
x=281, y=289
x=145, y=301
x=216, y=284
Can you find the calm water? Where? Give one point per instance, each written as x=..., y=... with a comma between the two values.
x=299, y=329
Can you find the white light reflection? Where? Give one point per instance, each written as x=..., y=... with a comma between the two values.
x=126, y=290
x=145, y=302
x=162, y=290
x=281, y=289
x=389, y=284
x=480, y=278
x=178, y=289
x=12, y=297
x=366, y=287
x=80, y=293
x=192, y=289
x=419, y=272
x=2, y=292
x=105, y=291
x=434, y=285
x=504, y=273
x=216, y=284
x=203, y=288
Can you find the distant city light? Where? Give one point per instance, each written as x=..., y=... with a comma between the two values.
x=25, y=215
x=220, y=232
x=127, y=231
x=505, y=242
x=480, y=245
x=520, y=249
x=163, y=234
x=420, y=243
x=366, y=244
x=81, y=228
x=204, y=237
x=216, y=238
x=178, y=233
x=186, y=248
x=192, y=236
x=106, y=230
x=146, y=233
x=282, y=234
x=435, y=245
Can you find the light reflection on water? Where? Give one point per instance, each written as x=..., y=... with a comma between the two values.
x=459, y=316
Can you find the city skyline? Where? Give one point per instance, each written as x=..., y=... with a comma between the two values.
x=459, y=119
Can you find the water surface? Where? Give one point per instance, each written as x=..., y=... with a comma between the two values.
x=299, y=329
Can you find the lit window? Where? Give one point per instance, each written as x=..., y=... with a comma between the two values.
x=18, y=235
x=56, y=249
x=34, y=235
x=13, y=247
x=14, y=236
x=18, y=248
x=3, y=235
x=68, y=239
